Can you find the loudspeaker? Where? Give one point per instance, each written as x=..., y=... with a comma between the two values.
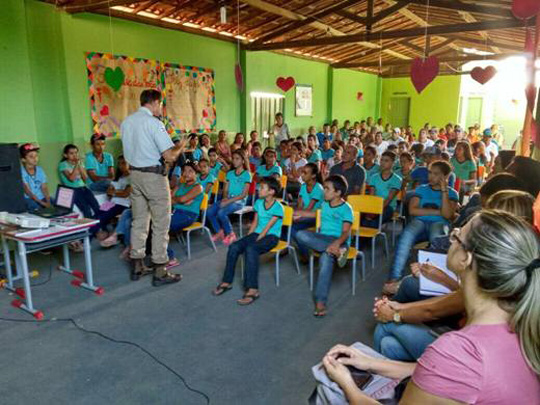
x=11, y=184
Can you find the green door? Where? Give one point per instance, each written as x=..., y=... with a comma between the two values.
x=399, y=111
x=474, y=111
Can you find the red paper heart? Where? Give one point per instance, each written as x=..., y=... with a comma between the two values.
x=525, y=8
x=483, y=76
x=285, y=84
x=104, y=111
x=423, y=72
x=205, y=114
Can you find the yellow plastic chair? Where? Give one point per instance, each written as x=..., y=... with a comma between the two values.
x=221, y=176
x=215, y=190
x=283, y=183
x=199, y=225
x=353, y=253
x=369, y=204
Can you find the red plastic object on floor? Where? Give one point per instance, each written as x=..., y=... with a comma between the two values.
x=100, y=291
x=16, y=303
x=78, y=274
x=76, y=283
x=38, y=315
x=20, y=292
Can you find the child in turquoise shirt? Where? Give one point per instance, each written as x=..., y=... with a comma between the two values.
x=187, y=199
x=333, y=239
x=99, y=165
x=36, y=192
x=205, y=178
x=370, y=161
x=263, y=236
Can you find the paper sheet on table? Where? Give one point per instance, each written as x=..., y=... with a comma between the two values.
x=428, y=287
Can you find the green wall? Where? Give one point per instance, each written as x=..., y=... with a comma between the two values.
x=346, y=84
x=438, y=104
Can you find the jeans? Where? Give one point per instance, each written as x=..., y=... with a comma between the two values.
x=409, y=290
x=374, y=223
x=401, y=341
x=415, y=231
x=319, y=243
x=219, y=216
x=107, y=216
x=300, y=225
x=252, y=249
x=85, y=201
x=182, y=219
x=100, y=186
x=124, y=226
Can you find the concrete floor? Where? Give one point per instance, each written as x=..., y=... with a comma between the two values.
x=261, y=354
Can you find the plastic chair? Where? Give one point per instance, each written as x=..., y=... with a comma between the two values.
x=221, y=176
x=398, y=216
x=246, y=209
x=353, y=253
x=286, y=244
x=370, y=204
x=199, y=225
x=283, y=183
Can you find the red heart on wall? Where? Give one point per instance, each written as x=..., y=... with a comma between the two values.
x=285, y=84
x=483, y=76
x=423, y=72
x=360, y=96
x=525, y=8
x=104, y=111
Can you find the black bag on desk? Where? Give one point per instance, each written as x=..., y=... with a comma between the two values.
x=11, y=184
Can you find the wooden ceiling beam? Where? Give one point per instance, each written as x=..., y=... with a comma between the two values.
x=469, y=18
x=351, y=16
x=144, y=6
x=467, y=58
x=308, y=20
x=483, y=42
x=97, y=5
x=389, y=11
x=395, y=34
x=469, y=7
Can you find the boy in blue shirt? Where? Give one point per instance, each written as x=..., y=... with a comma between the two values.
x=99, y=165
x=36, y=192
x=263, y=236
x=385, y=184
x=433, y=206
x=327, y=151
x=255, y=155
x=333, y=239
x=370, y=161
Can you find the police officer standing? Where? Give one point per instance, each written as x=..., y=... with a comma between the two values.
x=148, y=149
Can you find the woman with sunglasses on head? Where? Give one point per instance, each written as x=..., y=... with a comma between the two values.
x=495, y=358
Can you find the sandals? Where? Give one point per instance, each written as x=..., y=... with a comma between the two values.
x=319, y=312
x=221, y=289
x=248, y=299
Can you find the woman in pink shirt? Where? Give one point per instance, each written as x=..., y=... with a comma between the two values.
x=495, y=358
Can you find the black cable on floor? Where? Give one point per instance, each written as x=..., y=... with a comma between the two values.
x=49, y=277
x=126, y=342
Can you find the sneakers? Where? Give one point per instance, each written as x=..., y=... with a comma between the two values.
x=218, y=236
x=230, y=239
x=343, y=257
x=110, y=241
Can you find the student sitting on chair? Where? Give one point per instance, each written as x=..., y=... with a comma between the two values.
x=187, y=199
x=310, y=199
x=99, y=165
x=327, y=150
x=263, y=236
x=235, y=195
x=36, y=192
x=313, y=153
x=385, y=184
x=255, y=158
x=333, y=239
x=205, y=178
x=268, y=166
x=370, y=161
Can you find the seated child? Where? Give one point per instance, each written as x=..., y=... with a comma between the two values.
x=269, y=166
x=293, y=166
x=335, y=159
x=255, y=155
x=327, y=150
x=187, y=199
x=333, y=239
x=385, y=184
x=36, y=192
x=99, y=165
x=313, y=153
x=192, y=151
x=263, y=236
x=433, y=206
x=370, y=161
x=310, y=199
x=235, y=195
x=205, y=178
x=405, y=170
x=253, y=138
x=216, y=162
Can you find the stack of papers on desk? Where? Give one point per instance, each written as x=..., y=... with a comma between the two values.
x=428, y=287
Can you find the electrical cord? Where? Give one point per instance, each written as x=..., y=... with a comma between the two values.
x=125, y=342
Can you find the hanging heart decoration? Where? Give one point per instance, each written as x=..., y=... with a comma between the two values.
x=360, y=96
x=239, y=77
x=524, y=9
x=104, y=111
x=285, y=84
x=114, y=78
x=483, y=75
x=423, y=72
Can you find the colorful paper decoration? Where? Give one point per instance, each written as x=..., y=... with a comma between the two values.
x=524, y=9
x=285, y=84
x=114, y=78
x=423, y=72
x=483, y=75
x=239, y=77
